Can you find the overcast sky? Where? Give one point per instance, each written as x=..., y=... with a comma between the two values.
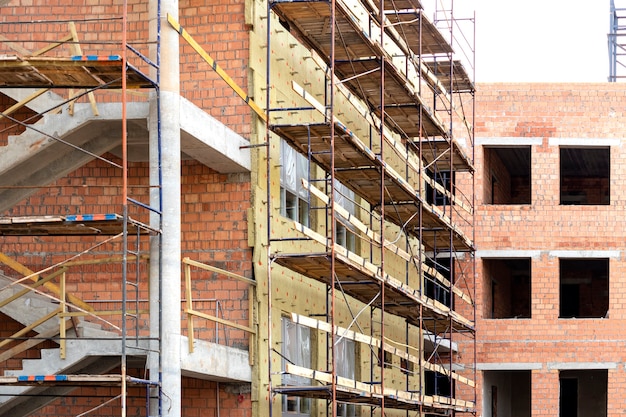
x=540, y=40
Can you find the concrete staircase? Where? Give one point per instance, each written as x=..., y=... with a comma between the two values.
x=36, y=158
x=60, y=143
x=89, y=350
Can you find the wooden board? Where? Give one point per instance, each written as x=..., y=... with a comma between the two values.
x=97, y=224
x=362, y=280
x=359, y=168
x=349, y=390
x=71, y=72
x=309, y=22
x=457, y=81
x=374, y=342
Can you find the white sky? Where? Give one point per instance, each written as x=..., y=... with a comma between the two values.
x=539, y=40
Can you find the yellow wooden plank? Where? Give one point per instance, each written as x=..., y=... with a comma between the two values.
x=375, y=390
x=374, y=342
x=238, y=90
x=22, y=103
x=16, y=266
x=375, y=237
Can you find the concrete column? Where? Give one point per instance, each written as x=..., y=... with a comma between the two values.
x=153, y=362
x=169, y=287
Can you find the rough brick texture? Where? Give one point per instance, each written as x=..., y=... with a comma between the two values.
x=582, y=114
x=219, y=27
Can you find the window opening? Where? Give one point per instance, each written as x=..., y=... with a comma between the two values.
x=345, y=365
x=295, y=349
x=507, y=393
x=437, y=384
x=508, y=281
x=432, y=287
x=585, y=176
x=443, y=178
x=584, y=288
x=345, y=233
x=583, y=393
x=294, y=198
x=508, y=175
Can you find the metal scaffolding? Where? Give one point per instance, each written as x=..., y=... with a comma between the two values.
x=617, y=42
x=129, y=228
x=385, y=216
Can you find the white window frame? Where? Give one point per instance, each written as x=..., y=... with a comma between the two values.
x=345, y=366
x=296, y=349
x=294, y=198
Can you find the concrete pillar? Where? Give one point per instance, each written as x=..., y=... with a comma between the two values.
x=169, y=287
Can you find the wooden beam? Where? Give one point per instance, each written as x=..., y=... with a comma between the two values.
x=76, y=51
x=376, y=238
x=23, y=103
x=213, y=64
x=18, y=267
x=30, y=343
x=375, y=390
x=374, y=342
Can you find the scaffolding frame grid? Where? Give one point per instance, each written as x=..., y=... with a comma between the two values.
x=404, y=88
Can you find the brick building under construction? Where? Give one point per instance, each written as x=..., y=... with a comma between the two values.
x=298, y=208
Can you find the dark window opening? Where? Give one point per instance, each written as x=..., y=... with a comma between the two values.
x=507, y=393
x=508, y=288
x=585, y=176
x=386, y=357
x=437, y=384
x=507, y=175
x=433, y=287
x=583, y=393
x=443, y=178
x=407, y=367
x=584, y=288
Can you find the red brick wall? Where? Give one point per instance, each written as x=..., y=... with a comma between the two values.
x=9, y=127
x=219, y=27
x=546, y=111
x=214, y=231
x=200, y=399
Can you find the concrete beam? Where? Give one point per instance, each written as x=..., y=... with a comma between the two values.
x=209, y=141
x=584, y=142
x=506, y=253
x=215, y=362
x=508, y=141
x=509, y=366
x=581, y=365
x=584, y=254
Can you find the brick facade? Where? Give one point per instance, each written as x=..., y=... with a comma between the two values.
x=547, y=117
x=214, y=205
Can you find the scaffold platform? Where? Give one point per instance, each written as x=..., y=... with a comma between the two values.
x=73, y=225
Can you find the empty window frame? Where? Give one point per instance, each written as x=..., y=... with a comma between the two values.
x=507, y=286
x=583, y=288
x=507, y=393
x=295, y=349
x=437, y=384
x=344, y=233
x=294, y=198
x=446, y=180
x=433, y=287
x=585, y=175
x=345, y=366
x=583, y=393
x=507, y=175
